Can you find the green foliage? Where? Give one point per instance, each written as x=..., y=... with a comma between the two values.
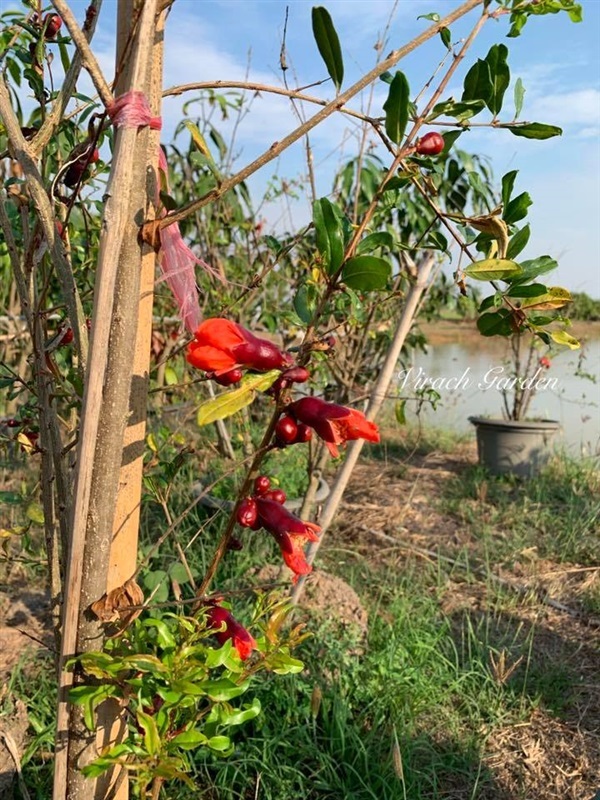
x=396, y=107
x=178, y=689
x=328, y=43
x=583, y=307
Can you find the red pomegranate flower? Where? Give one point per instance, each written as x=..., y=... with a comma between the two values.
x=334, y=424
x=221, y=345
x=242, y=641
x=290, y=532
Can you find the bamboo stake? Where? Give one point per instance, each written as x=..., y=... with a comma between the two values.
x=121, y=218
x=380, y=391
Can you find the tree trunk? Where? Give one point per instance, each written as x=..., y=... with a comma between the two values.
x=106, y=410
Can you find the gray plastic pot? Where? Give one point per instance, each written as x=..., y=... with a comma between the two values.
x=519, y=447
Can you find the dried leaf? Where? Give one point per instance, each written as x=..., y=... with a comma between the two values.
x=116, y=605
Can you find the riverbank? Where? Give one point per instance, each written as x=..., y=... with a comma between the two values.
x=465, y=331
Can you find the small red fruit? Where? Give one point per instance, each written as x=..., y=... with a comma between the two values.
x=286, y=430
x=261, y=485
x=12, y=423
x=247, y=512
x=304, y=434
x=67, y=337
x=296, y=375
x=278, y=495
x=52, y=23
x=431, y=144
x=229, y=378
x=545, y=362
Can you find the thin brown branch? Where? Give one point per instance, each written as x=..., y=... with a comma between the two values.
x=88, y=59
x=35, y=184
x=57, y=112
x=278, y=147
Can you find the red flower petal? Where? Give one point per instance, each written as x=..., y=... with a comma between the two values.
x=242, y=640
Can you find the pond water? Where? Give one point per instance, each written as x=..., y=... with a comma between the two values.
x=469, y=374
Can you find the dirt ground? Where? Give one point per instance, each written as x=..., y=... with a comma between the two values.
x=388, y=517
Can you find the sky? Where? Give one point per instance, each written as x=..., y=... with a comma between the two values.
x=557, y=60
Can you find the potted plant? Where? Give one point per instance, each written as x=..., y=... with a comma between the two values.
x=524, y=310
x=517, y=443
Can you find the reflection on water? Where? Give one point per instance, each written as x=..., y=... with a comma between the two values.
x=469, y=376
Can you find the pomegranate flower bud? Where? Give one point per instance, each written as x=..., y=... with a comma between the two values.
x=304, y=434
x=229, y=378
x=221, y=345
x=226, y=627
x=286, y=431
x=334, y=424
x=290, y=532
x=262, y=484
x=276, y=494
x=246, y=514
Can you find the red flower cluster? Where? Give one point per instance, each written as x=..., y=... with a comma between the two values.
x=333, y=423
x=216, y=617
x=265, y=510
x=221, y=346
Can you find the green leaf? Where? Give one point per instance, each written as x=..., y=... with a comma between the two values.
x=239, y=716
x=533, y=130
x=562, y=337
x=183, y=686
x=375, y=240
x=478, y=82
x=223, y=689
x=493, y=301
x=437, y=241
x=329, y=233
x=518, y=242
x=555, y=297
x=433, y=17
x=400, y=412
x=189, y=740
x=517, y=208
x=518, y=20
x=396, y=108
x=303, y=305
x=366, y=273
x=527, y=290
x=449, y=138
x=328, y=43
x=178, y=572
x=164, y=637
x=283, y=664
x=151, y=736
x=35, y=513
x=493, y=269
x=228, y=403
x=65, y=59
x=496, y=323
x=508, y=182
x=170, y=376
x=500, y=76
x=535, y=267
x=446, y=37
x=519, y=97
x=219, y=743
x=144, y=662
x=462, y=111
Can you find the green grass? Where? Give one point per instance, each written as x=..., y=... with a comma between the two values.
x=557, y=512
x=406, y=713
